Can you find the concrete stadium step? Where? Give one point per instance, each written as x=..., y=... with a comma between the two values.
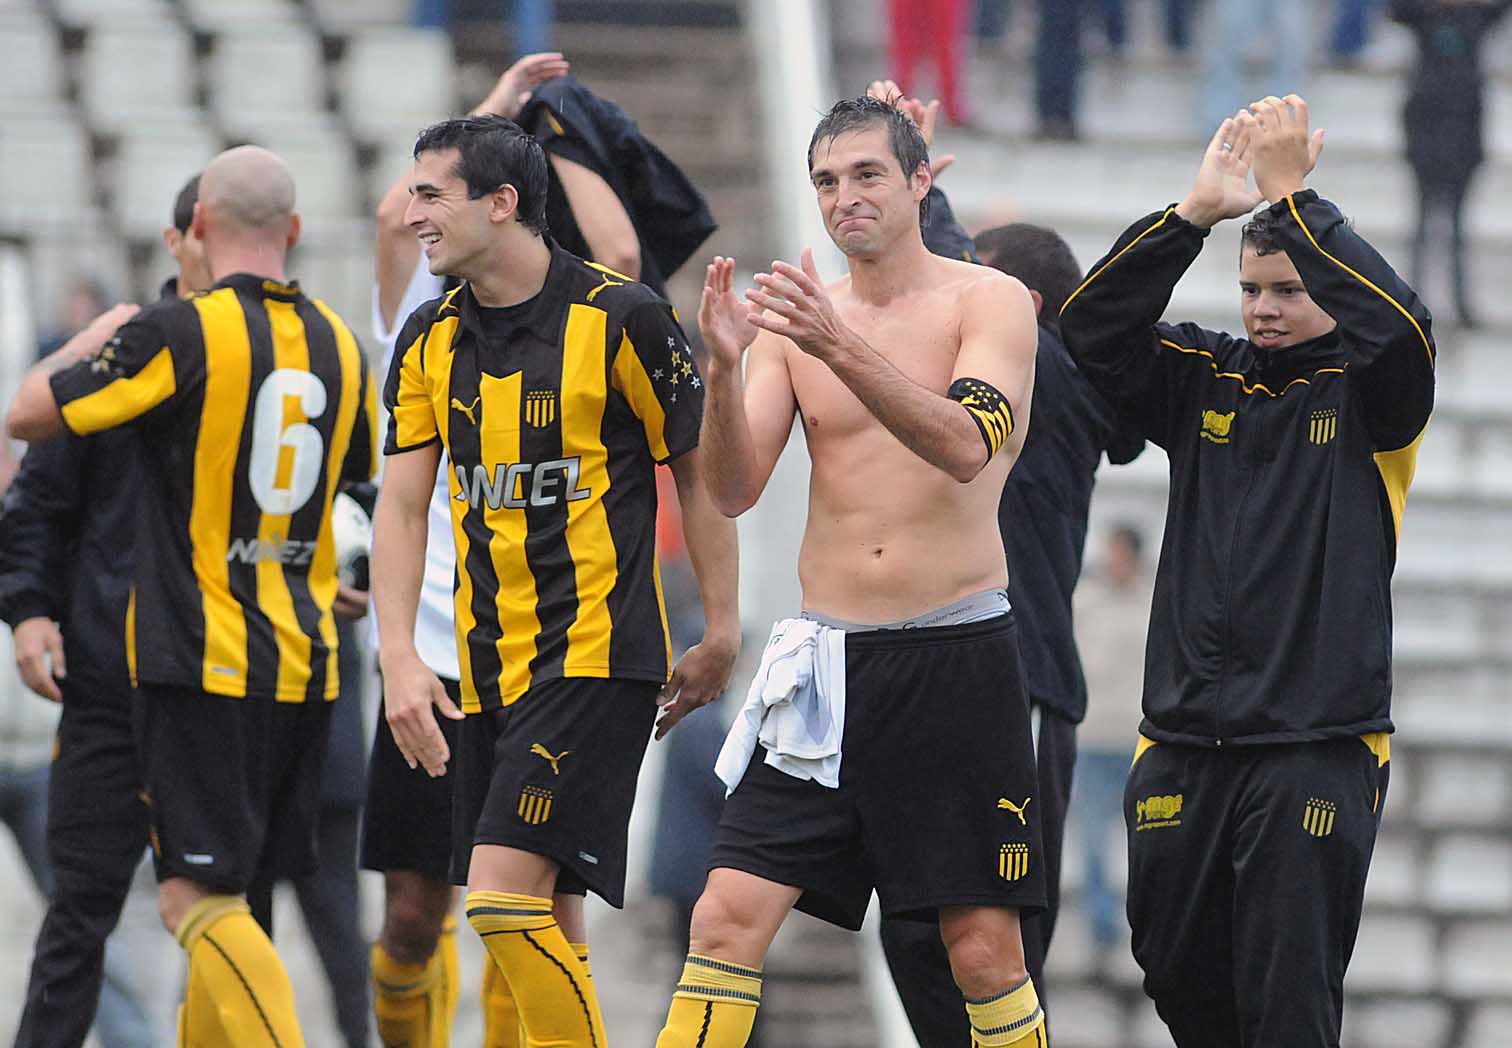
x=1478, y=959
x=1394, y=954
x=1470, y=874
x=1488, y=1026
x=1421, y=1023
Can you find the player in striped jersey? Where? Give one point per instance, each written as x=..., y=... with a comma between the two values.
x=255, y=403
x=554, y=386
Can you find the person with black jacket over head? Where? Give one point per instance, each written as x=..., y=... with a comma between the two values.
x=1256, y=790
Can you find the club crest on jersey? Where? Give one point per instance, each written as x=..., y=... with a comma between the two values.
x=1323, y=425
x=540, y=407
x=535, y=805
x=1013, y=861
x=1318, y=817
x=1215, y=427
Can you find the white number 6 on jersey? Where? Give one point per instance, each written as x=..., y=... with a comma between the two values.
x=286, y=459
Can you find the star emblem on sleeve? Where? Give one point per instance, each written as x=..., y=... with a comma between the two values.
x=695, y=383
x=657, y=374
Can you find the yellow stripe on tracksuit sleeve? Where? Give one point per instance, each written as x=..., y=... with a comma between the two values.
x=1129, y=247
x=595, y=562
x=1397, y=469
x=273, y=597
x=228, y=379
x=630, y=379
x=124, y=399
x=356, y=386
x=1427, y=345
x=516, y=596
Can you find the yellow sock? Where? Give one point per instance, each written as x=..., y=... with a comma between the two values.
x=501, y=1019
x=447, y=987
x=405, y=1000
x=236, y=980
x=1011, y=1019
x=550, y=988
x=714, y=1006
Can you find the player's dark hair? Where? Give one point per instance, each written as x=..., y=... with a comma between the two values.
x=183, y=205
x=1038, y=256
x=858, y=114
x=1262, y=233
x=494, y=152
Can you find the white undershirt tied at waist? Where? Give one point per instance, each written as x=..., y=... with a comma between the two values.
x=795, y=708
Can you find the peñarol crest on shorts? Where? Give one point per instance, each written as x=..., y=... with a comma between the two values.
x=1318, y=817
x=535, y=805
x=1013, y=861
x=540, y=407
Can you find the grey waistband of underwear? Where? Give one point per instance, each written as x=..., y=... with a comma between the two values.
x=975, y=608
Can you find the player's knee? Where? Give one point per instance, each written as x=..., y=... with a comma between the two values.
x=721, y=926
x=413, y=913
x=983, y=960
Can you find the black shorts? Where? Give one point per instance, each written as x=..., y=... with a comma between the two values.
x=406, y=819
x=554, y=773
x=233, y=785
x=937, y=804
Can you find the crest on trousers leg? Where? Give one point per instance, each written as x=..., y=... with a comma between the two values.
x=1318, y=817
x=1013, y=861
x=535, y=805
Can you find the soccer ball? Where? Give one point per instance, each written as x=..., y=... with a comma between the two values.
x=352, y=529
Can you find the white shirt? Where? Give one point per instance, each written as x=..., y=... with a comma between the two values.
x=435, y=619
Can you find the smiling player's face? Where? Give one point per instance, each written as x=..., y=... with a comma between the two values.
x=864, y=197
x=1278, y=312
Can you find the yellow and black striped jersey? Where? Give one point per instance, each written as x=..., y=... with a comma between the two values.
x=554, y=415
x=254, y=403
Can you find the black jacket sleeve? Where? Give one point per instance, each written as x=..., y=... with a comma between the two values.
x=1111, y=324
x=1384, y=325
x=39, y=521
x=942, y=233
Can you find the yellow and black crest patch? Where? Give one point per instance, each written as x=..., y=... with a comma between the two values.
x=1318, y=817
x=535, y=805
x=1013, y=861
x=988, y=408
x=1322, y=425
x=1215, y=426
x=540, y=407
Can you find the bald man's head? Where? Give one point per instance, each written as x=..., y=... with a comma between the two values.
x=249, y=187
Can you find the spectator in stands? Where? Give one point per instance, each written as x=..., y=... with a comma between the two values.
x=936, y=30
x=531, y=19
x=65, y=576
x=1112, y=617
x=1178, y=17
x=1442, y=118
x=1255, y=794
x=1351, y=30
x=1057, y=69
x=84, y=300
x=1278, y=31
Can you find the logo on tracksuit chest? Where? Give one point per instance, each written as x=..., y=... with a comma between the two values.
x=1322, y=425
x=1216, y=426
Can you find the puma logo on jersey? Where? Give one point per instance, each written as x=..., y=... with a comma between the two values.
x=607, y=283
x=467, y=409
x=541, y=751
x=1004, y=804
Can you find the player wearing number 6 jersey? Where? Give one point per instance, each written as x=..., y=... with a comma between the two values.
x=254, y=403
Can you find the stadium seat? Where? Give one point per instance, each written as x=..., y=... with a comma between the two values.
x=339, y=17
x=32, y=79
x=1423, y=1024
x=1393, y=954
x=54, y=151
x=134, y=74
x=84, y=13
x=1470, y=874
x=397, y=79
x=1488, y=1026
x=1464, y=790
x=150, y=168
x=213, y=16
x=245, y=99
x=1478, y=960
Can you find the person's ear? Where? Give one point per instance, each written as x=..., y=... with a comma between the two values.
x=505, y=205
x=294, y=228
x=1039, y=302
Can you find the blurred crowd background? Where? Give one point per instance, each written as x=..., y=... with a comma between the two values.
x=1078, y=114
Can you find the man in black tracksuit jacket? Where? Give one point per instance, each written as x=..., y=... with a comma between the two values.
x=1254, y=799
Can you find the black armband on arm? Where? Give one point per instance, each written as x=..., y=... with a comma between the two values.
x=987, y=407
